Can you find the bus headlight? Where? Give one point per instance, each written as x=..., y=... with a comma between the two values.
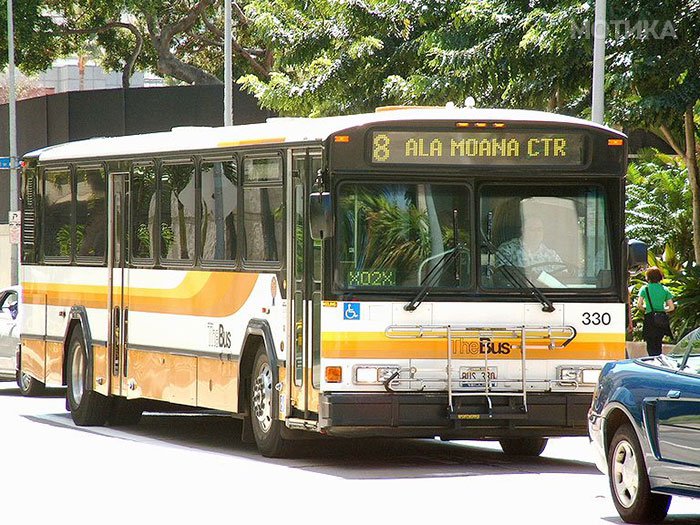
x=373, y=375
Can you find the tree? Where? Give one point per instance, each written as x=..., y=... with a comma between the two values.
x=342, y=57
x=352, y=56
x=654, y=81
x=182, y=39
x=659, y=210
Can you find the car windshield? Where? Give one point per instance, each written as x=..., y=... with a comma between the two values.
x=557, y=236
x=686, y=353
x=392, y=235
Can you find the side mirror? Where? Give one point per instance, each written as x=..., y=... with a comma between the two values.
x=637, y=255
x=321, y=221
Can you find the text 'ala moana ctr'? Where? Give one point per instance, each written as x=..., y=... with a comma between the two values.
x=477, y=148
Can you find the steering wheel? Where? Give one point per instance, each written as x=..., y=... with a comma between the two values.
x=553, y=267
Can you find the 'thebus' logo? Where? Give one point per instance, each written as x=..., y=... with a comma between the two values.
x=218, y=336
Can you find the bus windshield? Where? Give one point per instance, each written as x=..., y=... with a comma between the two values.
x=391, y=235
x=557, y=236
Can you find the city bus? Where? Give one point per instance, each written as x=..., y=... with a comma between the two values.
x=439, y=272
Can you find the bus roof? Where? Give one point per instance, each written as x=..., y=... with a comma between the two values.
x=282, y=130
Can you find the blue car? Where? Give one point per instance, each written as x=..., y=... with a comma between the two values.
x=644, y=425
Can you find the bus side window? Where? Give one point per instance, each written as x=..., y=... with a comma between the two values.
x=58, y=203
x=143, y=210
x=219, y=209
x=263, y=209
x=90, y=212
x=177, y=211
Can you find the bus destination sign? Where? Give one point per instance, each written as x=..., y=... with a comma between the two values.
x=478, y=148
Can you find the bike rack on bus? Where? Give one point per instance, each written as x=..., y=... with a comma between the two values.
x=540, y=337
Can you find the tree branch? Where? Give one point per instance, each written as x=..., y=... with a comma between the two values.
x=671, y=141
x=184, y=24
x=236, y=9
x=246, y=54
x=131, y=61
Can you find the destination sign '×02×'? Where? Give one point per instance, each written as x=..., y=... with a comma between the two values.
x=499, y=148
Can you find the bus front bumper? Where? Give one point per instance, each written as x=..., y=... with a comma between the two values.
x=428, y=415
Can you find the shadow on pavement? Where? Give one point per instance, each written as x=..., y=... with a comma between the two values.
x=343, y=458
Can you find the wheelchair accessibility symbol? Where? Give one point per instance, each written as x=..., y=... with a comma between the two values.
x=351, y=311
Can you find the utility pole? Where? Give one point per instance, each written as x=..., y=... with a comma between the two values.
x=598, y=95
x=12, y=102
x=228, y=67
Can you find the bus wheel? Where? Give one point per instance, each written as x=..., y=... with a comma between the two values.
x=28, y=386
x=523, y=446
x=267, y=429
x=86, y=406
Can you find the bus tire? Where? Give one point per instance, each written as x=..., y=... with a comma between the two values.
x=525, y=446
x=28, y=386
x=629, y=482
x=264, y=405
x=87, y=407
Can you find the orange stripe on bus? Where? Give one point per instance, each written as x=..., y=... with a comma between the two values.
x=377, y=346
x=213, y=294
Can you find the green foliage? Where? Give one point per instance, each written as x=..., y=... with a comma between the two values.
x=659, y=206
x=398, y=238
x=64, y=241
x=36, y=44
x=685, y=287
x=683, y=280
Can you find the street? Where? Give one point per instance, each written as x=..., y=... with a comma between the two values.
x=194, y=469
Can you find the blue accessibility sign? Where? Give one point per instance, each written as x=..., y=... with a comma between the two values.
x=351, y=311
x=4, y=163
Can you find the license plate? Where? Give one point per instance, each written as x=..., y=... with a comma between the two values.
x=476, y=375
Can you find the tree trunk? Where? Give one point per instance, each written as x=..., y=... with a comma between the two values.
x=169, y=64
x=691, y=161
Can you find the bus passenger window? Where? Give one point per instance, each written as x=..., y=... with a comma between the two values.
x=143, y=210
x=263, y=219
x=58, y=240
x=90, y=212
x=177, y=211
x=219, y=210
x=263, y=208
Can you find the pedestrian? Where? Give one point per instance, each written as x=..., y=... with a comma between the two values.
x=655, y=300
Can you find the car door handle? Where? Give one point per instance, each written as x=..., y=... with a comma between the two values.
x=674, y=394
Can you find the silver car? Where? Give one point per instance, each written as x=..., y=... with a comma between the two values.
x=10, y=312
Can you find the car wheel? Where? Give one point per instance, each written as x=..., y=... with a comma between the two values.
x=523, y=446
x=267, y=429
x=87, y=407
x=28, y=386
x=629, y=482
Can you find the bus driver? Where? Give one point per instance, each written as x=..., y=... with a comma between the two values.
x=529, y=250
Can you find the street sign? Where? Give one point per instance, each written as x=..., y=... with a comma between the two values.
x=4, y=163
x=15, y=222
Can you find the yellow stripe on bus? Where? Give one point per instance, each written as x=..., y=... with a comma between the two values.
x=250, y=142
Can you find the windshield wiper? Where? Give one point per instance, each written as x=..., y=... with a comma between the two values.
x=434, y=274
x=519, y=276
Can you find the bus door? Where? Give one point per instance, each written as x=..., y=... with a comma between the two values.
x=117, y=299
x=304, y=366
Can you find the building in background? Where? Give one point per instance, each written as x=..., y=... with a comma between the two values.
x=80, y=74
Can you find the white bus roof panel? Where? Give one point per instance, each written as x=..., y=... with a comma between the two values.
x=279, y=130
